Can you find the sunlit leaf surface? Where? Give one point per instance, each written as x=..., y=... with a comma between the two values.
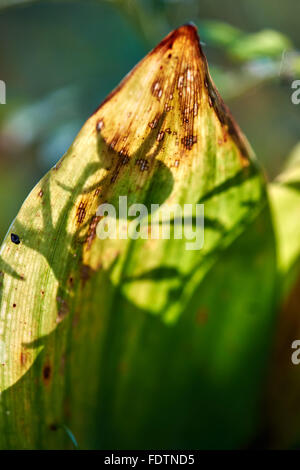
x=140, y=343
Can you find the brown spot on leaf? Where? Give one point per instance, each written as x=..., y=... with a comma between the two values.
x=160, y=136
x=92, y=230
x=23, y=358
x=63, y=309
x=154, y=123
x=188, y=141
x=47, y=373
x=81, y=212
x=113, y=143
x=100, y=125
x=57, y=166
x=85, y=273
x=142, y=164
x=156, y=88
x=124, y=158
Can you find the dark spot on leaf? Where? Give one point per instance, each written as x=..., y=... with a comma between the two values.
x=188, y=141
x=156, y=89
x=153, y=123
x=124, y=157
x=142, y=164
x=81, y=212
x=85, y=273
x=23, y=358
x=47, y=373
x=160, y=136
x=15, y=238
x=92, y=230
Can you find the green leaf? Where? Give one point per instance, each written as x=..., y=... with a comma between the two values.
x=244, y=46
x=219, y=33
x=282, y=411
x=140, y=343
x=285, y=200
x=266, y=43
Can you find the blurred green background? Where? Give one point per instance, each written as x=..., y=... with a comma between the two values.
x=59, y=59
